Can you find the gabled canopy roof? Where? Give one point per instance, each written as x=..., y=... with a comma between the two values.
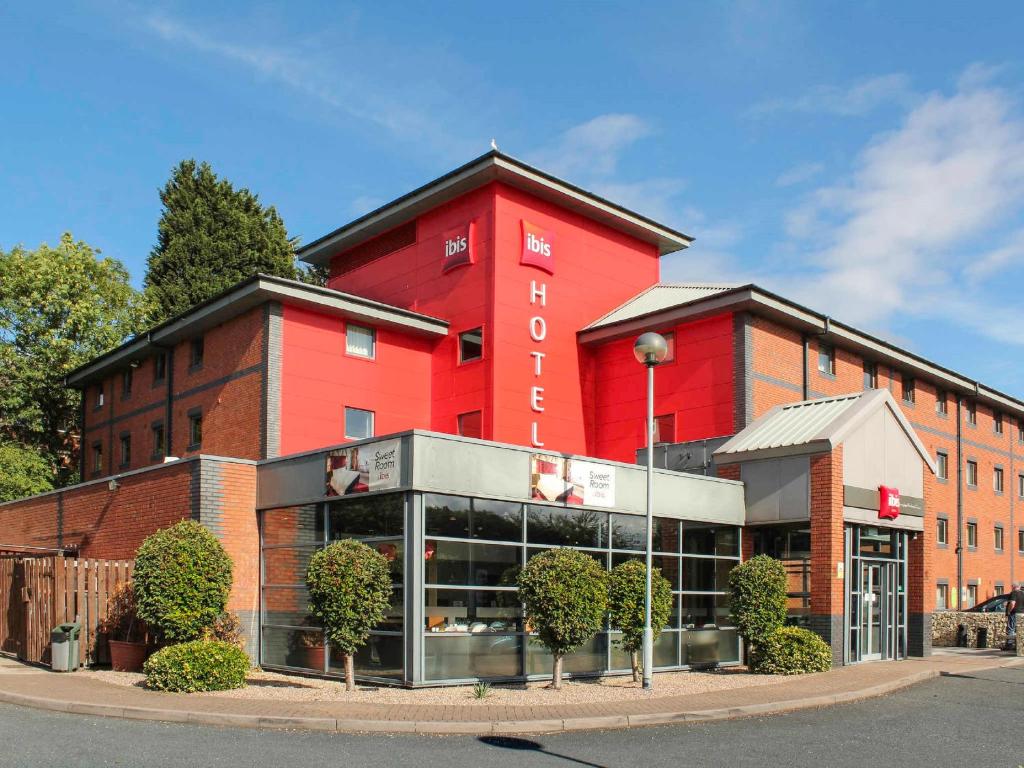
x=814, y=426
x=657, y=298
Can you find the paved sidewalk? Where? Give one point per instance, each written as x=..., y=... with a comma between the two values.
x=36, y=687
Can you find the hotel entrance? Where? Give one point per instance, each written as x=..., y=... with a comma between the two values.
x=876, y=598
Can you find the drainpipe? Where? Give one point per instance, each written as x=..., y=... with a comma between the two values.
x=959, y=505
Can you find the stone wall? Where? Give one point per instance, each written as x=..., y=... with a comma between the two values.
x=945, y=624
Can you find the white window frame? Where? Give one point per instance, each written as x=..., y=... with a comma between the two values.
x=373, y=423
x=373, y=341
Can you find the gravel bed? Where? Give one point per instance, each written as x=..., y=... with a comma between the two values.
x=276, y=686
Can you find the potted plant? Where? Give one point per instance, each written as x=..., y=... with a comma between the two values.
x=308, y=645
x=126, y=634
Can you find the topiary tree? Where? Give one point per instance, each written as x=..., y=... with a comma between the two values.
x=565, y=593
x=792, y=651
x=627, y=586
x=757, y=603
x=349, y=592
x=199, y=665
x=182, y=580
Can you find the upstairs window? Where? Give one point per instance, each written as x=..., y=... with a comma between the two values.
x=997, y=479
x=942, y=531
x=1020, y=486
x=665, y=428
x=98, y=397
x=941, y=402
x=1020, y=430
x=358, y=424
x=670, y=340
x=471, y=424
x=997, y=538
x=972, y=414
x=126, y=450
x=941, y=597
x=97, y=457
x=972, y=535
x=972, y=473
x=195, y=430
x=942, y=466
x=126, y=382
x=997, y=423
x=827, y=359
x=159, y=441
x=159, y=368
x=909, y=395
x=870, y=375
x=471, y=345
x=196, y=351
x=360, y=341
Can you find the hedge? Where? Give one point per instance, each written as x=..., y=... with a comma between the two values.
x=792, y=651
x=199, y=665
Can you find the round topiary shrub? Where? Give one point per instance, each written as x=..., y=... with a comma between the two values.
x=199, y=665
x=792, y=651
x=627, y=588
x=757, y=601
x=349, y=592
x=565, y=593
x=182, y=579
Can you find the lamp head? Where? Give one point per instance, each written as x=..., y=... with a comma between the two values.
x=650, y=348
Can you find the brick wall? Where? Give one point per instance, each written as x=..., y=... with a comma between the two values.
x=827, y=589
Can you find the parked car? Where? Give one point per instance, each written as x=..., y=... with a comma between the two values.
x=995, y=604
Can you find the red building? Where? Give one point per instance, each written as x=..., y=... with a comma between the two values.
x=500, y=303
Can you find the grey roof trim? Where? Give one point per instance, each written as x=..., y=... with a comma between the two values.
x=244, y=296
x=760, y=301
x=493, y=166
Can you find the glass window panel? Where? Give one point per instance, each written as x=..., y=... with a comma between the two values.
x=380, y=657
x=465, y=564
x=358, y=424
x=665, y=651
x=463, y=656
x=727, y=541
x=299, y=649
x=359, y=341
x=600, y=557
x=629, y=532
x=704, y=646
x=498, y=520
x=394, y=616
x=702, y=610
x=698, y=539
x=722, y=570
x=286, y=605
x=293, y=525
x=668, y=565
x=286, y=565
x=447, y=515
x=566, y=527
x=590, y=658
x=666, y=534
x=366, y=518
x=471, y=345
x=468, y=610
x=471, y=424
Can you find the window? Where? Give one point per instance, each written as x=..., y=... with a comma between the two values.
x=126, y=450
x=999, y=588
x=997, y=479
x=827, y=359
x=159, y=439
x=470, y=424
x=972, y=473
x=670, y=340
x=997, y=423
x=126, y=383
x=972, y=596
x=361, y=342
x=97, y=457
x=1020, y=430
x=665, y=428
x=908, y=389
x=942, y=465
x=972, y=414
x=941, y=597
x=471, y=345
x=358, y=424
x=195, y=430
x=196, y=351
x=941, y=402
x=159, y=368
x=1020, y=541
x=972, y=535
x=1020, y=486
x=942, y=531
x=997, y=538
x=870, y=376
x=98, y=397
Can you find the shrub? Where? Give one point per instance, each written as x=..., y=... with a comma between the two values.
x=199, y=665
x=758, y=598
x=565, y=593
x=226, y=627
x=349, y=592
x=182, y=580
x=626, y=592
x=792, y=651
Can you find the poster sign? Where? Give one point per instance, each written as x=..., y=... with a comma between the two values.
x=538, y=248
x=888, y=502
x=363, y=468
x=458, y=247
x=571, y=481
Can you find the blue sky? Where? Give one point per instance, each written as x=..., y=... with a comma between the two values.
x=865, y=159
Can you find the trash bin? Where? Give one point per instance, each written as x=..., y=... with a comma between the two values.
x=64, y=647
x=982, y=637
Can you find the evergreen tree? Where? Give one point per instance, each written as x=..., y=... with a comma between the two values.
x=211, y=236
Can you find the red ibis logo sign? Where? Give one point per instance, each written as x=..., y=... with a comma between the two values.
x=458, y=247
x=888, y=502
x=538, y=248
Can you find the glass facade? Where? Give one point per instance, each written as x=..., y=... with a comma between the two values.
x=876, y=595
x=790, y=543
x=467, y=554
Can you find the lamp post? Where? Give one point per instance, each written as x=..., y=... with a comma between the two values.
x=649, y=349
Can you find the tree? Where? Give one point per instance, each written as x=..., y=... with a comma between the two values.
x=182, y=580
x=211, y=236
x=758, y=598
x=59, y=308
x=565, y=593
x=626, y=591
x=23, y=472
x=349, y=592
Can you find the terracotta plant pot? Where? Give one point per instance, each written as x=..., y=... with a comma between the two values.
x=313, y=657
x=127, y=657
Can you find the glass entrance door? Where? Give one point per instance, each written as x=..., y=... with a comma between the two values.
x=873, y=628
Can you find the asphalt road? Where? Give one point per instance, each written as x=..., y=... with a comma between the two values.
x=975, y=721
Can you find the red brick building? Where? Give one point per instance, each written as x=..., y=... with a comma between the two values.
x=499, y=303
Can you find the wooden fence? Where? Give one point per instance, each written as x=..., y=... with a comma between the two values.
x=38, y=593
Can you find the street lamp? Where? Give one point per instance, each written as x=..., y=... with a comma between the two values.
x=650, y=349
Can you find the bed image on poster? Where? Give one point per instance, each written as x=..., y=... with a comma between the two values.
x=570, y=481
x=363, y=468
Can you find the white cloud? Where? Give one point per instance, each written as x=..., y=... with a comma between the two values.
x=898, y=236
x=798, y=174
x=858, y=99
x=593, y=148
